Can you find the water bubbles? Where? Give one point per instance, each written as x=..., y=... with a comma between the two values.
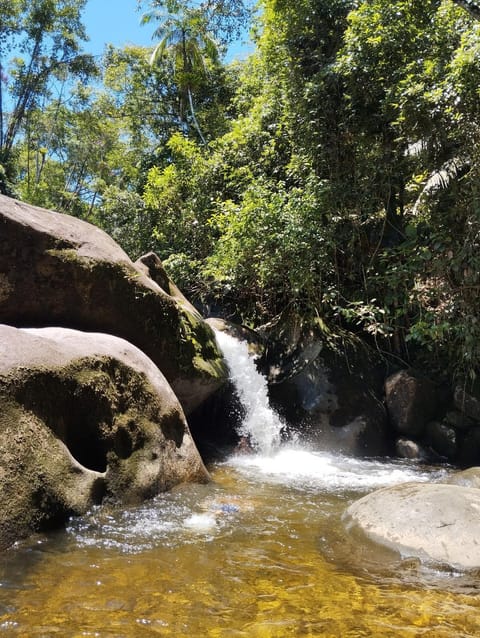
x=201, y=522
x=328, y=472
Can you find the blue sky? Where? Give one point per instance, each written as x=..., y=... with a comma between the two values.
x=117, y=22
x=114, y=22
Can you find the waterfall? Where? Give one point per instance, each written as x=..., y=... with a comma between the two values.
x=261, y=425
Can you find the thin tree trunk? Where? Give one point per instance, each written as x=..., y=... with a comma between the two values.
x=92, y=205
x=22, y=102
x=194, y=118
x=1, y=106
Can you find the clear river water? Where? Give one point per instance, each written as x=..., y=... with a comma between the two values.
x=261, y=551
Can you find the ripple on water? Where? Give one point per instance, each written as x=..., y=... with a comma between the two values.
x=200, y=514
x=191, y=514
x=239, y=557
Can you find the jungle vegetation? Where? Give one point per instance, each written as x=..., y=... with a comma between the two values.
x=333, y=173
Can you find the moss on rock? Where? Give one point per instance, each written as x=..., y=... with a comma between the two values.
x=62, y=271
x=83, y=417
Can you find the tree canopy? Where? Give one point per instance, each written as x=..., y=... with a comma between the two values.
x=334, y=172
x=40, y=51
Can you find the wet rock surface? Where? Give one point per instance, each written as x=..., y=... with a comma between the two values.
x=329, y=391
x=83, y=417
x=438, y=524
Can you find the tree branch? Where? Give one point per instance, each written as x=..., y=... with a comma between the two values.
x=472, y=7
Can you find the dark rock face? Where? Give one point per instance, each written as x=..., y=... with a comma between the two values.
x=411, y=402
x=216, y=424
x=83, y=417
x=443, y=425
x=469, y=447
x=467, y=404
x=442, y=438
x=331, y=396
x=56, y=270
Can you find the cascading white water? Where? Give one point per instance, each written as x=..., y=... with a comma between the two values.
x=261, y=425
x=293, y=463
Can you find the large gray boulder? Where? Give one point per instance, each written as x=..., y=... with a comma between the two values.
x=83, y=417
x=435, y=523
x=56, y=270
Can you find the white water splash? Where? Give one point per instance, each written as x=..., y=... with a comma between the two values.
x=326, y=472
x=261, y=425
x=293, y=465
x=201, y=522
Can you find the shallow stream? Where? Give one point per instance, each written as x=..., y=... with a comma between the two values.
x=261, y=551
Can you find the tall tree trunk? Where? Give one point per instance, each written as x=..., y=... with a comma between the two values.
x=194, y=117
x=22, y=102
x=1, y=107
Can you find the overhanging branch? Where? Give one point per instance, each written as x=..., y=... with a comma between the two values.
x=472, y=7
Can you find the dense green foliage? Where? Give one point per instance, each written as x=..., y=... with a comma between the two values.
x=333, y=172
x=40, y=52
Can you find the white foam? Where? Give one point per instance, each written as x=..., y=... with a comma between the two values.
x=201, y=522
x=261, y=424
x=326, y=471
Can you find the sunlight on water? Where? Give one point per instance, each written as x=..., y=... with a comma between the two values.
x=244, y=556
x=201, y=522
x=259, y=552
x=261, y=424
x=330, y=472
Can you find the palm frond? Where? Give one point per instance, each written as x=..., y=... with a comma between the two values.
x=441, y=179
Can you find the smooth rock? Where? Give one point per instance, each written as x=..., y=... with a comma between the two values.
x=436, y=523
x=83, y=417
x=407, y=449
x=56, y=270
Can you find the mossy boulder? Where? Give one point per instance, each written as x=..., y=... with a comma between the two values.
x=83, y=417
x=56, y=270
